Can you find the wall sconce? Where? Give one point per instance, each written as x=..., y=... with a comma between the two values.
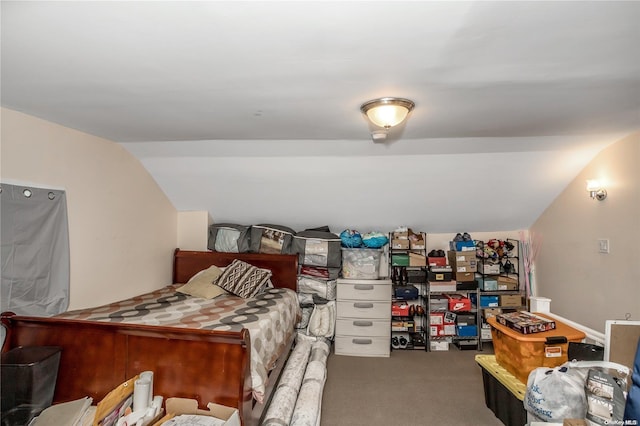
x=595, y=190
x=387, y=112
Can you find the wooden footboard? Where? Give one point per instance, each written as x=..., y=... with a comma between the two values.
x=206, y=365
x=97, y=357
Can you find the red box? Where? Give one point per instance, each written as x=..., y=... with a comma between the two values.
x=399, y=309
x=459, y=302
x=437, y=261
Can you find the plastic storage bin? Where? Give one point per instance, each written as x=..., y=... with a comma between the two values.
x=503, y=393
x=520, y=353
x=360, y=263
x=28, y=382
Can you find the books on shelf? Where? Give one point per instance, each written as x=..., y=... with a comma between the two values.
x=526, y=322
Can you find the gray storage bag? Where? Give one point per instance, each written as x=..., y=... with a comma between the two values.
x=271, y=239
x=318, y=248
x=228, y=238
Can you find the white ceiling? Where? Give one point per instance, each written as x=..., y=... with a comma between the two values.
x=250, y=110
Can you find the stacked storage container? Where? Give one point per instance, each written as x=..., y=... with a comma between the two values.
x=320, y=261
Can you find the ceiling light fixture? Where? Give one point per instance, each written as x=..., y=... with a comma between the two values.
x=387, y=112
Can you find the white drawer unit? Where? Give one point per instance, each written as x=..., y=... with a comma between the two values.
x=363, y=311
x=364, y=290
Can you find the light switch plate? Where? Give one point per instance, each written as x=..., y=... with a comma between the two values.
x=603, y=245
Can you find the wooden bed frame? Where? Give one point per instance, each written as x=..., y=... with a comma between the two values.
x=206, y=365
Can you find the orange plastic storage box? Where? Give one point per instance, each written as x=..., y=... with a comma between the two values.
x=520, y=354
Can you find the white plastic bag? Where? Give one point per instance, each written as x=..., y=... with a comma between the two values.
x=552, y=394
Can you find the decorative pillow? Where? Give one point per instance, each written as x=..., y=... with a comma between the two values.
x=243, y=279
x=201, y=284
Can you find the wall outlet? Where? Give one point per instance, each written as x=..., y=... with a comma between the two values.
x=603, y=245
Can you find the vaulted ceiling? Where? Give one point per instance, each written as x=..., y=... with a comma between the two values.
x=250, y=110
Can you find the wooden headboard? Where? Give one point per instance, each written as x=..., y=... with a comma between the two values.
x=284, y=267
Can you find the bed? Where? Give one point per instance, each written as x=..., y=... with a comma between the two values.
x=203, y=361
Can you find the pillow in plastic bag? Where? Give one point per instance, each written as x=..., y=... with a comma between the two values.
x=374, y=240
x=350, y=239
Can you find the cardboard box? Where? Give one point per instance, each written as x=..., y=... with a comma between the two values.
x=485, y=333
x=437, y=286
x=417, y=243
x=177, y=406
x=439, y=303
x=438, y=345
x=486, y=301
x=465, y=268
x=402, y=235
x=488, y=284
x=464, y=276
x=467, y=330
x=399, y=309
x=466, y=285
x=526, y=322
x=574, y=422
x=436, y=318
x=466, y=319
x=510, y=300
x=399, y=260
x=461, y=256
x=399, y=325
x=417, y=276
x=462, y=246
x=440, y=276
x=400, y=244
x=437, y=261
x=441, y=318
x=490, y=268
x=491, y=312
x=507, y=283
x=416, y=259
x=443, y=330
x=459, y=302
x=450, y=318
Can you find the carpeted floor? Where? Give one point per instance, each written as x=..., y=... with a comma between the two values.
x=408, y=389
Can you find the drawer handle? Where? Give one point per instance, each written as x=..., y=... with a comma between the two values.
x=363, y=323
x=362, y=341
x=362, y=305
x=363, y=286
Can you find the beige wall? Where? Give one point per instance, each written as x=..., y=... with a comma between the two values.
x=193, y=230
x=584, y=285
x=122, y=228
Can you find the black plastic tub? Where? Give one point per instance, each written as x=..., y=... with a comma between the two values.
x=28, y=382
